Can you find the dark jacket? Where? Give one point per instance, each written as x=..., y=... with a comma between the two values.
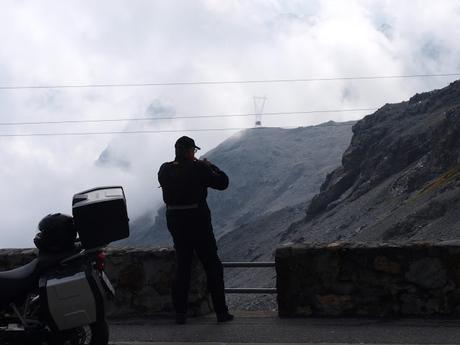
x=185, y=182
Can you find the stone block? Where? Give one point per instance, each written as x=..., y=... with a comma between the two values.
x=383, y=264
x=428, y=273
x=333, y=305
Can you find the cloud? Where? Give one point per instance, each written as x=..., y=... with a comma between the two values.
x=88, y=42
x=157, y=109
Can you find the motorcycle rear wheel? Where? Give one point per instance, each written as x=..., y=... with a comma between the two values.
x=94, y=334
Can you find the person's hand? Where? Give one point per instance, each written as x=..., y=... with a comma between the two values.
x=205, y=161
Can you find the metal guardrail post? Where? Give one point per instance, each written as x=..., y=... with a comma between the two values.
x=250, y=265
x=251, y=290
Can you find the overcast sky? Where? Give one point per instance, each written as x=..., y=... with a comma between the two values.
x=111, y=42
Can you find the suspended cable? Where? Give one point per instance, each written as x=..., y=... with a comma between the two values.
x=322, y=111
x=223, y=82
x=160, y=131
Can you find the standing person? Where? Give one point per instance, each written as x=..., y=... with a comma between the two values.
x=184, y=182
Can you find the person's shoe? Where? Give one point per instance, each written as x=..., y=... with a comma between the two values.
x=181, y=319
x=224, y=317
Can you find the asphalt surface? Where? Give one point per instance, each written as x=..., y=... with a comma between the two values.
x=268, y=329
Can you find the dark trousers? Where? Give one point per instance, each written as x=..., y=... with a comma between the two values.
x=192, y=232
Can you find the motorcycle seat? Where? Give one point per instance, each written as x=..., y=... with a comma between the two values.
x=17, y=282
x=19, y=273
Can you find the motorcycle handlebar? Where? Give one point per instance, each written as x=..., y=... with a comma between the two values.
x=82, y=253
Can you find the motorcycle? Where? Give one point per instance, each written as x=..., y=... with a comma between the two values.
x=61, y=297
x=55, y=300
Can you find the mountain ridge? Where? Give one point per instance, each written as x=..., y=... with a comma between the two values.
x=399, y=179
x=269, y=170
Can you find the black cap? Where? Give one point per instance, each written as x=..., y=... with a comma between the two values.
x=186, y=142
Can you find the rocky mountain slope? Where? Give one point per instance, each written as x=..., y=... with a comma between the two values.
x=270, y=169
x=399, y=179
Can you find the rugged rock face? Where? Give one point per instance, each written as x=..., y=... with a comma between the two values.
x=270, y=169
x=399, y=178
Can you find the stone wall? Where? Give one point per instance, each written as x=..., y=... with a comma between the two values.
x=369, y=279
x=141, y=277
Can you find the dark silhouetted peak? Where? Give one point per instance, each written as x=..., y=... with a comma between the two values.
x=393, y=138
x=107, y=159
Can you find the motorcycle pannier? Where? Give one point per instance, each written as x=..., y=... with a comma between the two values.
x=71, y=298
x=100, y=216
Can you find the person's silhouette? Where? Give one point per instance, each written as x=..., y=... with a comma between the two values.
x=184, y=182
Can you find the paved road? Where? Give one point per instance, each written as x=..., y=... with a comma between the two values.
x=266, y=329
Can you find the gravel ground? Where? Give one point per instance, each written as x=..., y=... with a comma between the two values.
x=252, y=302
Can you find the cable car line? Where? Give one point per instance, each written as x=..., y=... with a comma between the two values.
x=187, y=117
x=159, y=131
x=223, y=82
